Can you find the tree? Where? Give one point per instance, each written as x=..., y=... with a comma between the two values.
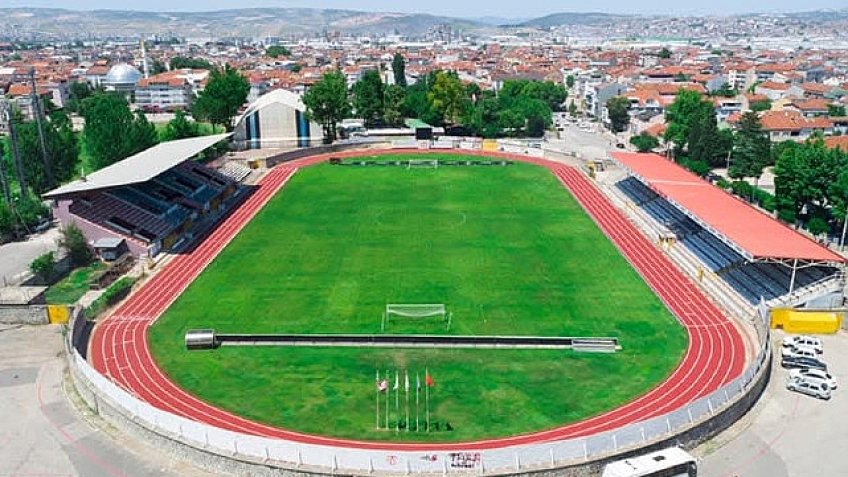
x=817, y=226
x=447, y=96
x=665, y=53
x=399, y=70
x=179, y=128
x=806, y=175
x=644, y=142
x=142, y=135
x=706, y=143
x=77, y=92
x=760, y=106
x=219, y=102
x=393, y=105
x=618, y=113
x=277, y=51
x=751, y=149
x=368, y=98
x=326, y=103
x=111, y=130
x=569, y=81
x=572, y=109
x=688, y=108
x=74, y=243
x=44, y=266
x=836, y=110
x=157, y=66
x=180, y=62
x=62, y=148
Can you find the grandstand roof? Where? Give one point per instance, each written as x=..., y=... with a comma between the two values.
x=756, y=234
x=141, y=167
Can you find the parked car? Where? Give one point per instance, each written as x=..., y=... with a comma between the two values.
x=814, y=375
x=803, y=340
x=799, y=352
x=811, y=363
x=811, y=388
x=620, y=145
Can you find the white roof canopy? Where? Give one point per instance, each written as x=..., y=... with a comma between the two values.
x=141, y=167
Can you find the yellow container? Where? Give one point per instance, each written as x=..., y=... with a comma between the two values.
x=58, y=314
x=806, y=321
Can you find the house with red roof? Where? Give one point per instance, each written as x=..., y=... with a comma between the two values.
x=792, y=125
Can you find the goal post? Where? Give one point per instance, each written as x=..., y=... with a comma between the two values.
x=425, y=163
x=416, y=311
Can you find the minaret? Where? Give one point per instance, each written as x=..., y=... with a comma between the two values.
x=144, y=67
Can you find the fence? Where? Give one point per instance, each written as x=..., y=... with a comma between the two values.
x=692, y=423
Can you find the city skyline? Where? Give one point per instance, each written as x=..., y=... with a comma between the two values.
x=471, y=10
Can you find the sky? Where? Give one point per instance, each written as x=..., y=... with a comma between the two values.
x=460, y=8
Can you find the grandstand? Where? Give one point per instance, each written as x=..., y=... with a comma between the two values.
x=758, y=257
x=155, y=200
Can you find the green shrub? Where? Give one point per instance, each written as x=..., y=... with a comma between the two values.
x=115, y=293
x=73, y=241
x=44, y=266
x=817, y=226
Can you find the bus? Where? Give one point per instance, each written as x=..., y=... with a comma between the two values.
x=671, y=462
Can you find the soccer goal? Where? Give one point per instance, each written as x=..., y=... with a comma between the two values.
x=416, y=311
x=423, y=163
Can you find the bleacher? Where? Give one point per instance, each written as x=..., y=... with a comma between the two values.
x=111, y=212
x=154, y=210
x=751, y=280
x=235, y=171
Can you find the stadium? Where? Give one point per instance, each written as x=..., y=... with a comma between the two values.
x=501, y=244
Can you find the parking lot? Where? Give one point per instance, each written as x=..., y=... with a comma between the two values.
x=787, y=433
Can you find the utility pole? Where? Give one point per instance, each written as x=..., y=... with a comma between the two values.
x=16, y=156
x=38, y=115
x=4, y=181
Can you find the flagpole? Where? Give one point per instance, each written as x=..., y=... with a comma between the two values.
x=427, y=396
x=388, y=391
x=417, y=399
x=377, y=386
x=406, y=389
x=397, y=399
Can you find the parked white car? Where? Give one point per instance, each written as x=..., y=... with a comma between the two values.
x=810, y=374
x=809, y=387
x=803, y=340
x=799, y=352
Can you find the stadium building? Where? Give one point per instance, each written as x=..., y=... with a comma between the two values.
x=276, y=119
x=155, y=200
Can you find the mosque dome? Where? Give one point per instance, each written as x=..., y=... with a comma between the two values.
x=122, y=74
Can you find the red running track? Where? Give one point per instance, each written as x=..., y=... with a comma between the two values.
x=715, y=355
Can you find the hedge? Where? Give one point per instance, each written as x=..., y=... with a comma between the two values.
x=115, y=293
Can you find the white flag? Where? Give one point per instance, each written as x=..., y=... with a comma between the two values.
x=397, y=381
x=406, y=380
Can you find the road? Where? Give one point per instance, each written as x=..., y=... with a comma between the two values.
x=15, y=257
x=43, y=434
x=787, y=434
x=587, y=144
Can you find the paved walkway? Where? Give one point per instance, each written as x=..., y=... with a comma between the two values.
x=44, y=435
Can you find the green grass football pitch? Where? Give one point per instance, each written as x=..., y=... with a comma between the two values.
x=507, y=249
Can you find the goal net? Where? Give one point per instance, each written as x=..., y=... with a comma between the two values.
x=423, y=163
x=416, y=311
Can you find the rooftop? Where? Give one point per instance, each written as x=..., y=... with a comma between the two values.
x=141, y=167
x=754, y=233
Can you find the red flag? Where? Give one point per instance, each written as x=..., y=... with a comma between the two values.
x=428, y=380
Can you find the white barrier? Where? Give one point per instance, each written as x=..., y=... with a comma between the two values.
x=290, y=454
